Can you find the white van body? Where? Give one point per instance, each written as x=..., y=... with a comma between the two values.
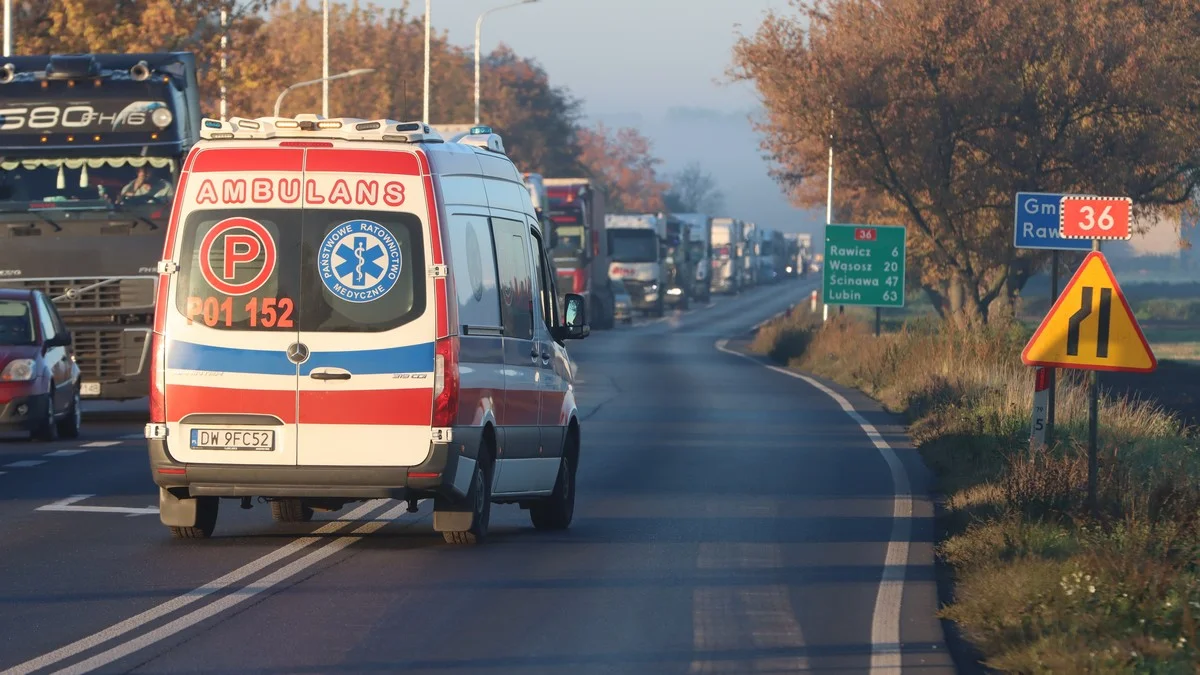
x=355, y=309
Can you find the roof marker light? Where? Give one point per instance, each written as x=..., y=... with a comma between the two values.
x=287, y=124
x=367, y=126
x=212, y=124
x=329, y=124
x=481, y=129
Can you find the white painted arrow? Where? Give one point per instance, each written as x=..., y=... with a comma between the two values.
x=68, y=504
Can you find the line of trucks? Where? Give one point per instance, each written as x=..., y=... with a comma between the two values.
x=660, y=261
x=87, y=176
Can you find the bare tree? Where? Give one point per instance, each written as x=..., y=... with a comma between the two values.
x=693, y=190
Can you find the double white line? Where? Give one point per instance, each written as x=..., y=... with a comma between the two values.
x=232, y=599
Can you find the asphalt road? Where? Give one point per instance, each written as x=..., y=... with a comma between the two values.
x=730, y=519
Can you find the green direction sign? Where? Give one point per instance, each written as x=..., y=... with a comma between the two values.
x=864, y=265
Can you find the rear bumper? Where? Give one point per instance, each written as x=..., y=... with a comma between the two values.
x=435, y=476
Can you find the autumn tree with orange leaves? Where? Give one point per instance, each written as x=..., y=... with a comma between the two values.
x=941, y=110
x=624, y=162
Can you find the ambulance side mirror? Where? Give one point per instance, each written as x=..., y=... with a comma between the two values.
x=575, y=326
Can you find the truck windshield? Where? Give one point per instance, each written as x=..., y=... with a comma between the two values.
x=570, y=240
x=697, y=250
x=633, y=246
x=78, y=183
x=721, y=252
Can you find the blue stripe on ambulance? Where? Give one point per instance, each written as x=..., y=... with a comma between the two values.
x=191, y=356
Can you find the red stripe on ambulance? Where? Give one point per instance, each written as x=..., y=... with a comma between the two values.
x=184, y=400
x=258, y=159
x=413, y=407
x=362, y=161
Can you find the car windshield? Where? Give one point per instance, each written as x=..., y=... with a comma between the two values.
x=633, y=246
x=16, y=323
x=76, y=183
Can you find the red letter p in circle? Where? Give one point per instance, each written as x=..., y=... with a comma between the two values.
x=245, y=241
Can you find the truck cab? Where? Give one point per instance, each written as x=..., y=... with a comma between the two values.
x=636, y=243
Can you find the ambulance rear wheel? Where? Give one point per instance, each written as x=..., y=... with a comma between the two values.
x=206, y=520
x=480, y=498
x=291, y=511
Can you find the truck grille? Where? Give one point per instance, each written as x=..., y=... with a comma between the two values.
x=109, y=355
x=121, y=294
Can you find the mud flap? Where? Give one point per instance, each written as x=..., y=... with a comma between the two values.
x=176, y=512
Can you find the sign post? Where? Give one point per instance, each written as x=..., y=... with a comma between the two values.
x=864, y=265
x=1035, y=226
x=1091, y=326
x=1041, y=406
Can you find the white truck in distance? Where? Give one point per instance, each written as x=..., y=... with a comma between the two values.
x=635, y=247
x=726, y=251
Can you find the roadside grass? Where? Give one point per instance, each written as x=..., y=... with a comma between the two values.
x=1041, y=585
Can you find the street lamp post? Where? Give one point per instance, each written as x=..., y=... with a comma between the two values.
x=8, y=27
x=478, y=29
x=324, y=58
x=428, y=28
x=348, y=73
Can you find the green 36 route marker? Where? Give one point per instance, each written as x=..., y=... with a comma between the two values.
x=864, y=265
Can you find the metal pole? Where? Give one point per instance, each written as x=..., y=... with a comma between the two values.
x=8, y=27
x=478, y=29
x=829, y=200
x=428, y=29
x=224, y=56
x=1051, y=373
x=1094, y=431
x=324, y=58
x=878, y=320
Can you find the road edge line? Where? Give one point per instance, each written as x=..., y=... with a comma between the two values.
x=158, y=611
x=885, y=620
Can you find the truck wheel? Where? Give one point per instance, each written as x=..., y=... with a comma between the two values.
x=70, y=425
x=604, y=316
x=206, y=520
x=556, y=511
x=480, y=498
x=46, y=429
x=291, y=511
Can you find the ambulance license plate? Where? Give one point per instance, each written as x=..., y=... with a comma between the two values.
x=233, y=439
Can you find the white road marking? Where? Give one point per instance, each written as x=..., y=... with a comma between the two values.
x=232, y=599
x=155, y=613
x=101, y=444
x=65, y=453
x=68, y=504
x=25, y=464
x=885, y=622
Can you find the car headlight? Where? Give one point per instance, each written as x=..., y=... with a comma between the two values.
x=674, y=291
x=19, y=370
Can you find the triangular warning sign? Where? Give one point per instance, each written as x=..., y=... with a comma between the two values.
x=1090, y=326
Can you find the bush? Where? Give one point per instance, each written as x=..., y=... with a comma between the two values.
x=1043, y=584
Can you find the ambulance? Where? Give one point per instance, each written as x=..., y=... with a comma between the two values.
x=356, y=309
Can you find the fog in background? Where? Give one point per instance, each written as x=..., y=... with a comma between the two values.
x=656, y=65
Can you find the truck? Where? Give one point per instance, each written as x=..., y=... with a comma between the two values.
x=91, y=148
x=726, y=274
x=576, y=210
x=700, y=252
x=772, y=260
x=681, y=266
x=750, y=253
x=636, y=243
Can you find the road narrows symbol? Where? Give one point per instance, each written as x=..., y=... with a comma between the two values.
x=1105, y=323
x=1084, y=311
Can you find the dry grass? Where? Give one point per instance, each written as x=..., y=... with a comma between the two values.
x=1042, y=584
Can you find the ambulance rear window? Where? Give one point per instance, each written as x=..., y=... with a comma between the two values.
x=313, y=270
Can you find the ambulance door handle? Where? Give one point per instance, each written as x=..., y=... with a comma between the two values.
x=330, y=374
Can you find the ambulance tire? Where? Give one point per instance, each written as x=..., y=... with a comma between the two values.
x=206, y=520
x=290, y=511
x=556, y=511
x=480, y=496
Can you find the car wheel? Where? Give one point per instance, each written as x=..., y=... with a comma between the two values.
x=69, y=426
x=206, y=520
x=480, y=498
x=291, y=511
x=556, y=511
x=46, y=429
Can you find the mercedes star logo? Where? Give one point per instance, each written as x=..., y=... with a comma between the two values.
x=297, y=352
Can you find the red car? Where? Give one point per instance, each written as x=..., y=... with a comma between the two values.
x=39, y=381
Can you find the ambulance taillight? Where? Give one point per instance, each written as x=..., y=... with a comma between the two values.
x=445, y=382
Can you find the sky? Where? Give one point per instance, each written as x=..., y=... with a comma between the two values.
x=656, y=65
